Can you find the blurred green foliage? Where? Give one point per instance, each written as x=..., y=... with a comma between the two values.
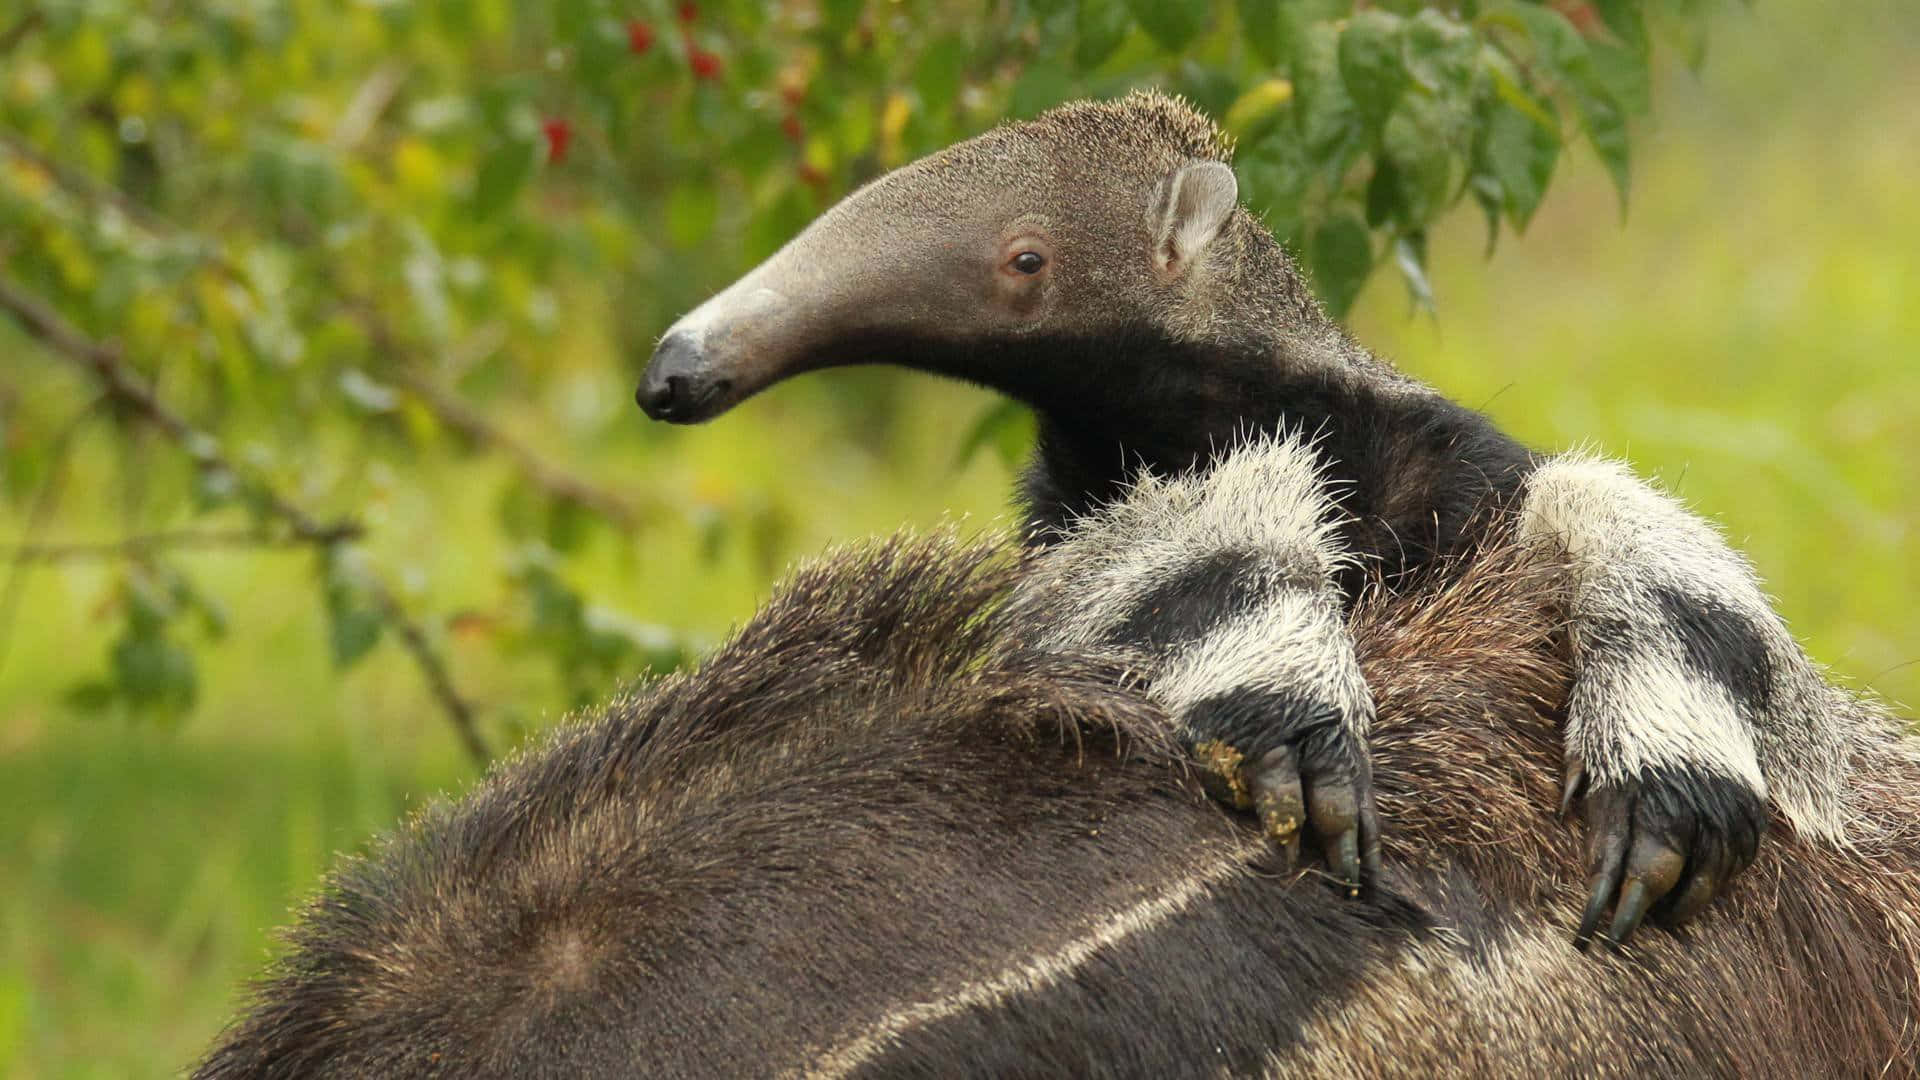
x=398, y=265
x=296, y=215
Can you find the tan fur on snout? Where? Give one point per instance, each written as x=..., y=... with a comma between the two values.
x=1132, y=203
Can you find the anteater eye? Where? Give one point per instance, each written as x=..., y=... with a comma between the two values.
x=1029, y=262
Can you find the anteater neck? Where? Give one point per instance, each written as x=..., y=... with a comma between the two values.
x=1415, y=473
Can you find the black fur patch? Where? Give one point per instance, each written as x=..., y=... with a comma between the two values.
x=1254, y=720
x=1415, y=474
x=1722, y=645
x=1187, y=606
x=1697, y=806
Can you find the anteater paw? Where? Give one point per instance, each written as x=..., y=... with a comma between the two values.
x=1665, y=843
x=1302, y=767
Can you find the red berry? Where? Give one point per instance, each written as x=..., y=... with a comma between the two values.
x=811, y=175
x=689, y=11
x=793, y=94
x=790, y=127
x=639, y=37
x=705, y=65
x=559, y=134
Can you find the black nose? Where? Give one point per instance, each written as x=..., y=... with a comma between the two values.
x=673, y=384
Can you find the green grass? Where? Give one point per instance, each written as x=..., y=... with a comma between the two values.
x=1750, y=335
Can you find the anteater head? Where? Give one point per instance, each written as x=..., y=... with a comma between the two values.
x=1028, y=259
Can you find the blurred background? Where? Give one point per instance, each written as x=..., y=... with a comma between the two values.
x=319, y=324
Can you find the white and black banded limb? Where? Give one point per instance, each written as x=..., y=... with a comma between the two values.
x=1692, y=704
x=1223, y=584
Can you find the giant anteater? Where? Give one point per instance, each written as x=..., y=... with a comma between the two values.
x=881, y=833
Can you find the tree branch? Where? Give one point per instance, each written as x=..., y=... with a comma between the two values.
x=189, y=540
x=446, y=405
x=11, y=38
x=124, y=388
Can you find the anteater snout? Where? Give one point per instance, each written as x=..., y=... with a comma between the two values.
x=678, y=385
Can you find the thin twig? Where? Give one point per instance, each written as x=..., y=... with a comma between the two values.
x=17, y=33
x=124, y=387
x=182, y=540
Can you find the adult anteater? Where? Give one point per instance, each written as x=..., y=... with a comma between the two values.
x=879, y=833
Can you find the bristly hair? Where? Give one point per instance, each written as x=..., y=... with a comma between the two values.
x=1144, y=118
x=854, y=842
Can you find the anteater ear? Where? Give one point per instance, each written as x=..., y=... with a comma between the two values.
x=1193, y=205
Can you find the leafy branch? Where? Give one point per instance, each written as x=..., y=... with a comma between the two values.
x=124, y=388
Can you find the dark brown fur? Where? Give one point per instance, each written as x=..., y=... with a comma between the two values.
x=813, y=854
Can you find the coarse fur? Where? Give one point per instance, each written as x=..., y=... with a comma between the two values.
x=1222, y=585
x=1094, y=263
x=878, y=833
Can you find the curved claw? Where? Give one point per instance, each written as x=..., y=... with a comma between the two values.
x=1606, y=854
x=1278, y=798
x=1653, y=869
x=1299, y=787
x=1664, y=846
x=1333, y=809
x=1575, y=783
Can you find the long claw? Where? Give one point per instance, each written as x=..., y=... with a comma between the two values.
x=1652, y=872
x=1633, y=907
x=1609, y=866
x=1576, y=779
x=1333, y=811
x=1369, y=844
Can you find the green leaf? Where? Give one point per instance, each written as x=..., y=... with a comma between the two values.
x=1426, y=138
x=1624, y=74
x=91, y=696
x=352, y=632
x=1606, y=125
x=1554, y=40
x=1438, y=53
x=1383, y=194
x=154, y=673
x=1371, y=67
x=503, y=172
x=1171, y=23
x=1007, y=426
x=1516, y=154
x=1274, y=177
x=1624, y=19
x=1264, y=26
x=938, y=76
x=1099, y=28
x=354, y=623
x=1329, y=135
x=1340, y=252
